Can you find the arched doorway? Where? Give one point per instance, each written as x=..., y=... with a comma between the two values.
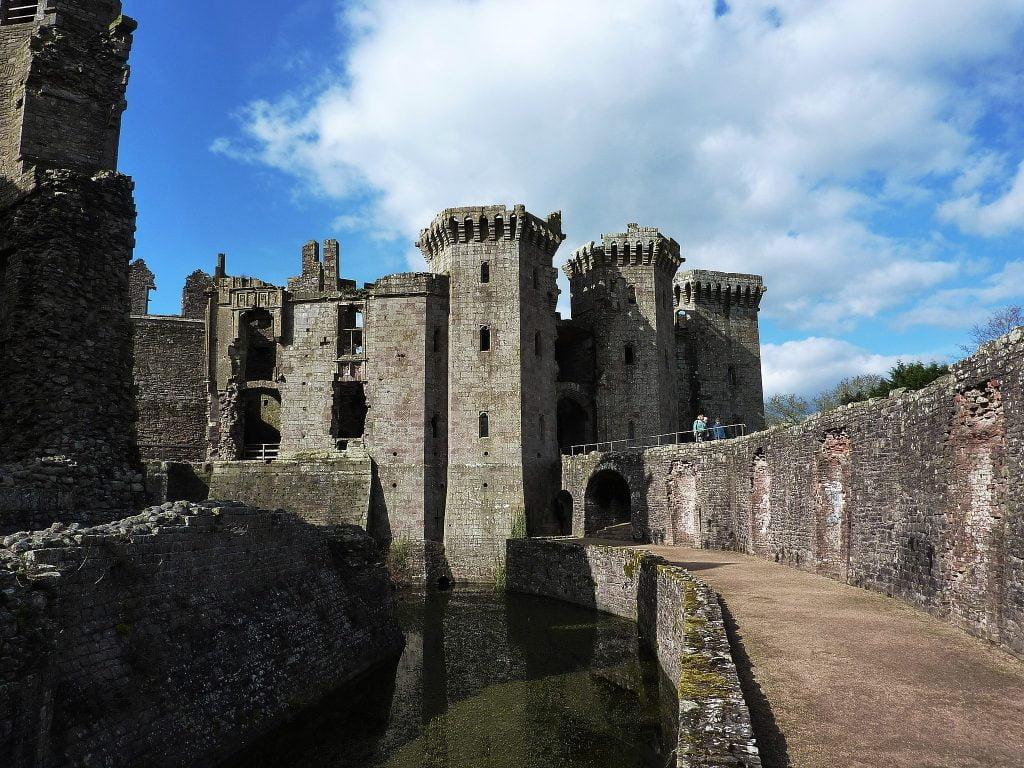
x=573, y=423
x=607, y=502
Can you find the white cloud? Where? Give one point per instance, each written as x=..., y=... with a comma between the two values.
x=970, y=302
x=811, y=365
x=998, y=217
x=760, y=148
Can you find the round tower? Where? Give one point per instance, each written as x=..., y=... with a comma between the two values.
x=622, y=288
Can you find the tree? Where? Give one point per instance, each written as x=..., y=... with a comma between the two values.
x=909, y=376
x=785, y=408
x=999, y=322
x=852, y=389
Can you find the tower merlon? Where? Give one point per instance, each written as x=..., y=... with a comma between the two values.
x=636, y=246
x=701, y=286
x=490, y=223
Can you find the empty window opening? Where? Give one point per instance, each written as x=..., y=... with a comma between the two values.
x=689, y=293
x=485, y=272
x=537, y=344
x=732, y=375
x=540, y=425
x=499, y=227
x=536, y=278
x=485, y=338
x=434, y=421
x=437, y=339
x=348, y=416
x=628, y=356
x=631, y=294
x=483, y=228
x=257, y=331
x=469, y=229
x=485, y=426
x=676, y=294
x=17, y=11
x=631, y=430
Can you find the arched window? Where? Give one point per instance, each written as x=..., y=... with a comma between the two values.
x=485, y=427
x=485, y=338
x=537, y=345
x=628, y=356
x=468, y=223
x=631, y=294
x=485, y=272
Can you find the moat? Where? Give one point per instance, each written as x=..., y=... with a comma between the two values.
x=490, y=680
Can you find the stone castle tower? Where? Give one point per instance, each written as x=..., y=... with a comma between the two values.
x=622, y=290
x=503, y=459
x=67, y=222
x=719, y=348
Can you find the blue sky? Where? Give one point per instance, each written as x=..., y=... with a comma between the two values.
x=864, y=156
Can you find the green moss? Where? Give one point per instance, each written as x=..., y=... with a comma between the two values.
x=399, y=560
x=499, y=578
x=698, y=681
x=518, y=525
x=634, y=559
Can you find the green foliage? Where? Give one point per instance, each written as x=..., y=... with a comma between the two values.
x=852, y=389
x=518, y=525
x=500, y=578
x=910, y=376
x=785, y=408
x=399, y=560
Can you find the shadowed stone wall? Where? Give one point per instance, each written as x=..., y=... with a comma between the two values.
x=909, y=495
x=171, y=638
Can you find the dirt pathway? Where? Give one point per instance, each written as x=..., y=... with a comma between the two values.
x=853, y=678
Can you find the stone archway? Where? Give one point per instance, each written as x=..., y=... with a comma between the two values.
x=607, y=502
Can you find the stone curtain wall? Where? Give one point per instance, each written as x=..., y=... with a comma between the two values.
x=678, y=618
x=325, y=491
x=173, y=637
x=171, y=391
x=908, y=495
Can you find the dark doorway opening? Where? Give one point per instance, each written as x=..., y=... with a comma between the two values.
x=349, y=413
x=563, y=513
x=607, y=501
x=573, y=423
x=262, y=408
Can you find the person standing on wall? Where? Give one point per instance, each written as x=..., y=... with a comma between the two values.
x=700, y=426
x=718, y=431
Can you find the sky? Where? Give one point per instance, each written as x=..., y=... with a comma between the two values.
x=865, y=156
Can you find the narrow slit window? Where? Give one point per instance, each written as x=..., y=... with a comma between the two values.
x=485, y=338
x=485, y=272
x=536, y=278
x=541, y=425
x=631, y=430
x=732, y=375
x=537, y=344
x=628, y=355
x=437, y=339
x=433, y=425
x=485, y=426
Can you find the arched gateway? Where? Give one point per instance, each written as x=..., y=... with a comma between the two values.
x=607, y=501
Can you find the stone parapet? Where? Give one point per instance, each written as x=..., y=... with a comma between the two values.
x=678, y=618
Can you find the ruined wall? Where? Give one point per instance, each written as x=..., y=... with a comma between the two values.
x=170, y=385
x=407, y=422
x=174, y=637
x=907, y=495
x=718, y=347
x=679, y=619
x=502, y=296
x=140, y=283
x=321, y=491
x=14, y=62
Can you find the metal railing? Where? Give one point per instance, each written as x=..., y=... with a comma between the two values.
x=653, y=441
x=18, y=11
x=261, y=451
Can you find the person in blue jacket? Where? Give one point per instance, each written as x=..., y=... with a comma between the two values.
x=718, y=431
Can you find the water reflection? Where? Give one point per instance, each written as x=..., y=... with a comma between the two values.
x=488, y=681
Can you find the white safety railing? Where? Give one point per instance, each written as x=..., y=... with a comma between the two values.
x=17, y=11
x=261, y=451
x=652, y=441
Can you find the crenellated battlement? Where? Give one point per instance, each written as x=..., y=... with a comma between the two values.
x=490, y=223
x=634, y=247
x=702, y=286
